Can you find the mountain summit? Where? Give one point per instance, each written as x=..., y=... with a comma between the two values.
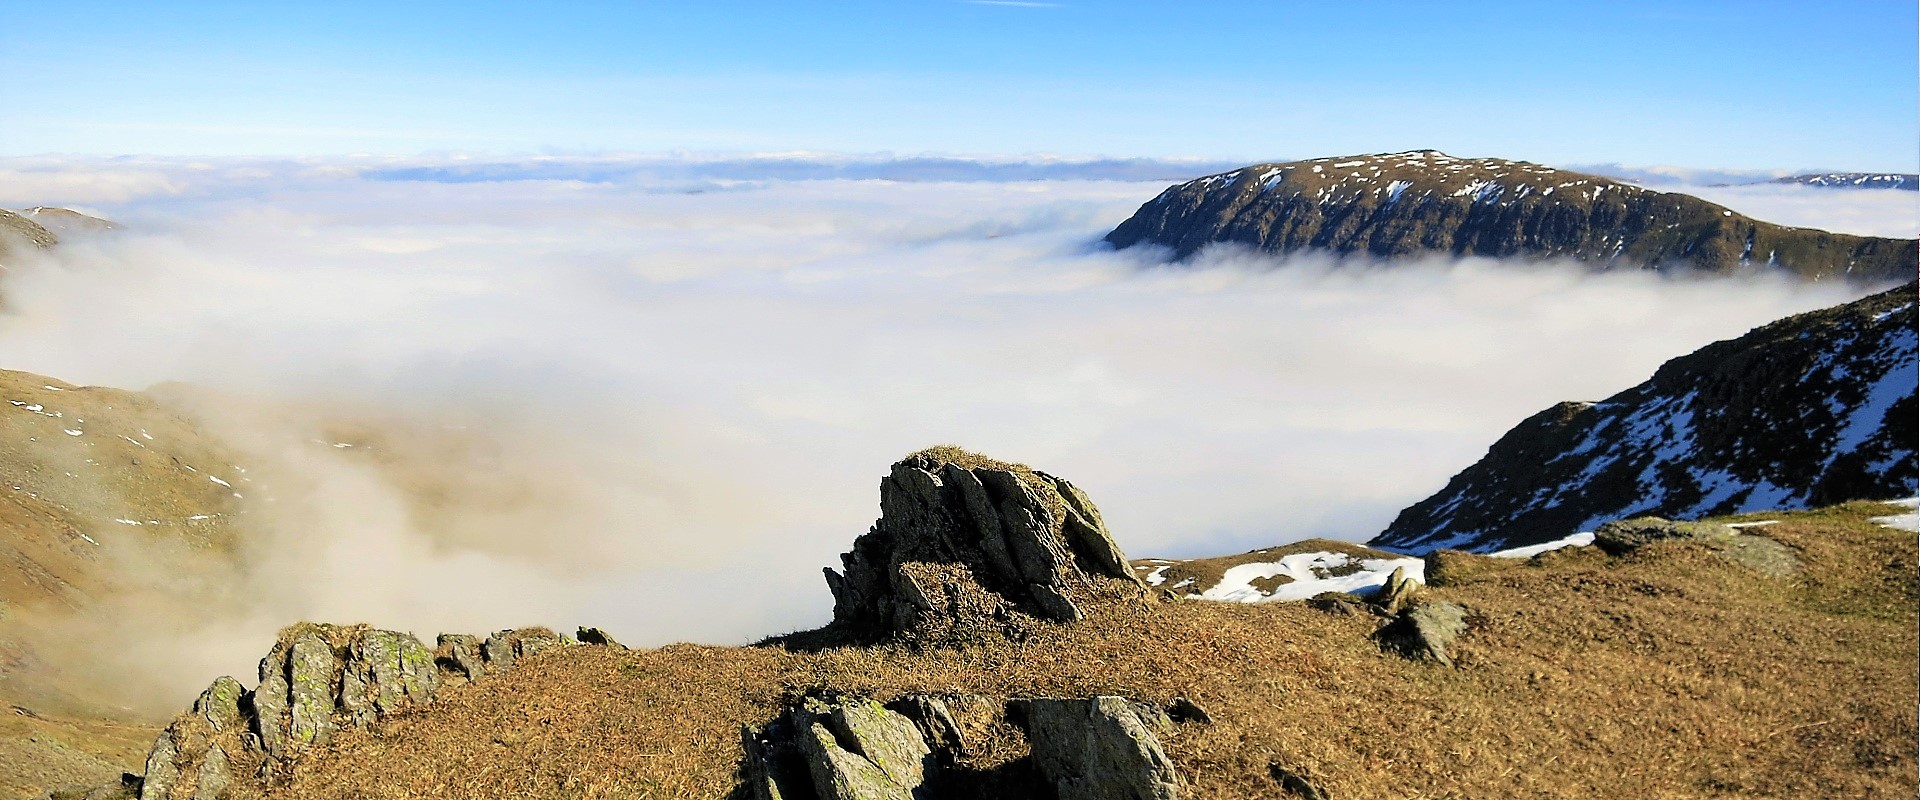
x=1425, y=201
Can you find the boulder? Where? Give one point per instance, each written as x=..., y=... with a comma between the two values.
x=1098, y=748
x=859, y=749
x=1397, y=592
x=596, y=636
x=1425, y=631
x=966, y=539
x=1757, y=553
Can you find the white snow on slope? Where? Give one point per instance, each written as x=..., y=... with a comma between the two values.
x=1581, y=539
x=1909, y=521
x=1312, y=574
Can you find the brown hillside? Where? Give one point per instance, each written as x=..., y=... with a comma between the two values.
x=1668, y=672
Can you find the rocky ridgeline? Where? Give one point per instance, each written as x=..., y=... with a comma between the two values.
x=1427, y=202
x=965, y=542
x=1095, y=748
x=1855, y=180
x=1809, y=411
x=317, y=681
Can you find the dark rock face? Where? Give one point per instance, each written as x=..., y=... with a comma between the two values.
x=966, y=540
x=1426, y=202
x=317, y=680
x=1812, y=410
x=1098, y=748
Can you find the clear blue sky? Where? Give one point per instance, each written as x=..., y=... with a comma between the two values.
x=1713, y=84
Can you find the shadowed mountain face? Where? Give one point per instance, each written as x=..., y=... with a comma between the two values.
x=1425, y=202
x=1811, y=410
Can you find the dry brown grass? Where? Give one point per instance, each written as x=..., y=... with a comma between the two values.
x=1669, y=673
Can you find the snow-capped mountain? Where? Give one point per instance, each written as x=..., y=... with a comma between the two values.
x=1811, y=410
x=1856, y=180
x=1425, y=201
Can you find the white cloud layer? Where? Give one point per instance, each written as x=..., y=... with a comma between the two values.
x=661, y=412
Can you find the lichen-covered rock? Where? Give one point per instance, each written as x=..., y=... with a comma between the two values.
x=1098, y=748
x=965, y=538
x=1425, y=630
x=858, y=749
x=219, y=705
x=460, y=657
x=586, y=635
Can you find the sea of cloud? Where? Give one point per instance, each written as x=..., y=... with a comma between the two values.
x=659, y=401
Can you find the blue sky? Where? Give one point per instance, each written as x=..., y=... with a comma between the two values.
x=1827, y=85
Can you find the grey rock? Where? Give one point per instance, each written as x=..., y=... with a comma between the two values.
x=1035, y=544
x=459, y=657
x=596, y=636
x=1098, y=749
x=1426, y=630
x=1396, y=592
x=219, y=705
x=215, y=778
x=162, y=771
x=313, y=672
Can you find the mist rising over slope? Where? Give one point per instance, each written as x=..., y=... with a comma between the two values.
x=614, y=402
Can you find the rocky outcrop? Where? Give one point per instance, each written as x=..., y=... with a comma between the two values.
x=1099, y=748
x=1754, y=552
x=841, y=748
x=1426, y=202
x=1425, y=631
x=316, y=681
x=965, y=541
x=1809, y=411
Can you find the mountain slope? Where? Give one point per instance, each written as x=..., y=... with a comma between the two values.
x=1425, y=201
x=1665, y=671
x=19, y=234
x=65, y=221
x=1810, y=410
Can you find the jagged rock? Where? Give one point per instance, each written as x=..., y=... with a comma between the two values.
x=596, y=636
x=1396, y=592
x=962, y=537
x=316, y=680
x=857, y=749
x=382, y=672
x=1098, y=749
x=841, y=749
x=502, y=649
x=460, y=657
x=1426, y=630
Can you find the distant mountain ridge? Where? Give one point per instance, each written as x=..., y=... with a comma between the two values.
x=1812, y=410
x=1427, y=202
x=1855, y=180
